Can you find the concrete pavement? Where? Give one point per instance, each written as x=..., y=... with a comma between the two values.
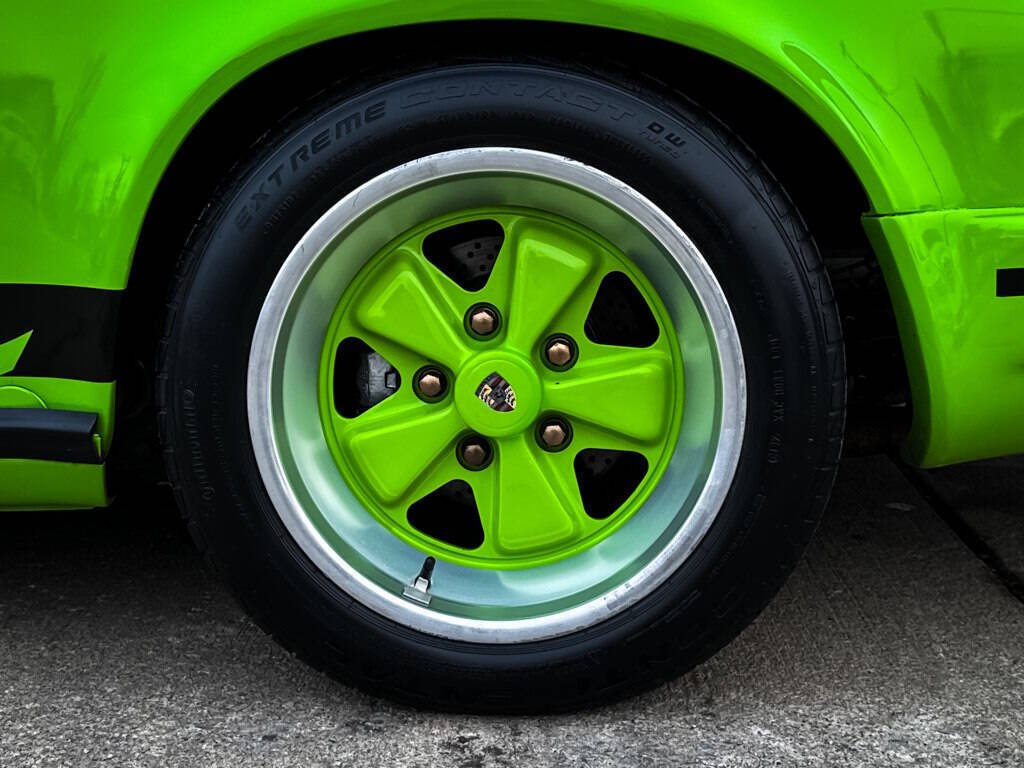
x=893, y=644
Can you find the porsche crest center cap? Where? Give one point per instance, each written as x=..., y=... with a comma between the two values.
x=497, y=393
x=486, y=400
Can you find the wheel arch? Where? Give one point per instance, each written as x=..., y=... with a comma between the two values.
x=234, y=107
x=737, y=81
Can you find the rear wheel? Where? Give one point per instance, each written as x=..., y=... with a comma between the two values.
x=502, y=387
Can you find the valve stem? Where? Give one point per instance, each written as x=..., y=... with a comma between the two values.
x=419, y=590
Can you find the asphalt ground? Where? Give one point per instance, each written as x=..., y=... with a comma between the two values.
x=898, y=641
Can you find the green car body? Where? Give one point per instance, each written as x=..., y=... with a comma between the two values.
x=924, y=101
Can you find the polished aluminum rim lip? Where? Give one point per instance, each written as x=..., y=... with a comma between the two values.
x=610, y=191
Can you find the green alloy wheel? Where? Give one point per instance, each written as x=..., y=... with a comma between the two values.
x=444, y=429
x=486, y=418
x=491, y=409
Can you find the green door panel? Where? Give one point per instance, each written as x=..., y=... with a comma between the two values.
x=964, y=345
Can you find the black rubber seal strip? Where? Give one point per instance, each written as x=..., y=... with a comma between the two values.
x=73, y=329
x=40, y=433
x=1010, y=281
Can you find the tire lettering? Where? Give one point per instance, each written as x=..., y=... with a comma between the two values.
x=321, y=141
x=415, y=99
x=190, y=422
x=302, y=153
x=494, y=89
x=617, y=113
x=347, y=125
x=452, y=91
x=560, y=94
x=584, y=101
x=555, y=94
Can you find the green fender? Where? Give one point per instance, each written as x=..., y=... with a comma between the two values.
x=923, y=102
x=921, y=98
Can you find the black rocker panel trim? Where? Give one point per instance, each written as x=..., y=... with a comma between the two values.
x=40, y=433
x=1010, y=282
x=73, y=329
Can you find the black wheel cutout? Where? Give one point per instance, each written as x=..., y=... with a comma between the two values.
x=716, y=191
x=607, y=478
x=449, y=514
x=466, y=252
x=362, y=378
x=620, y=316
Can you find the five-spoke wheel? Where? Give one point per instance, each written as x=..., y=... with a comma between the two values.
x=494, y=398
x=513, y=353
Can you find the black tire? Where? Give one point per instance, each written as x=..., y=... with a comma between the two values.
x=695, y=170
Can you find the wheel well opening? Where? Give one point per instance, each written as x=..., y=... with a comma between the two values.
x=810, y=167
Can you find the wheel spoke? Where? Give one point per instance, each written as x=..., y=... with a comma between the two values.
x=587, y=435
x=522, y=506
x=402, y=304
x=498, y=290
x=548, y=267
x=624, y=391
x=394, y=446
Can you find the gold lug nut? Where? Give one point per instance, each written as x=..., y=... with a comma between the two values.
x=483, y=322
x=430, y=384
x=553, y=434
x=558, y=353
x=474, y=454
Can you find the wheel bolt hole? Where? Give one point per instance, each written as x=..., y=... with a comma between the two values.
x=430, y=384
x=554, y=434
x=482, y=321
x=560, y=352
x=474, y=452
